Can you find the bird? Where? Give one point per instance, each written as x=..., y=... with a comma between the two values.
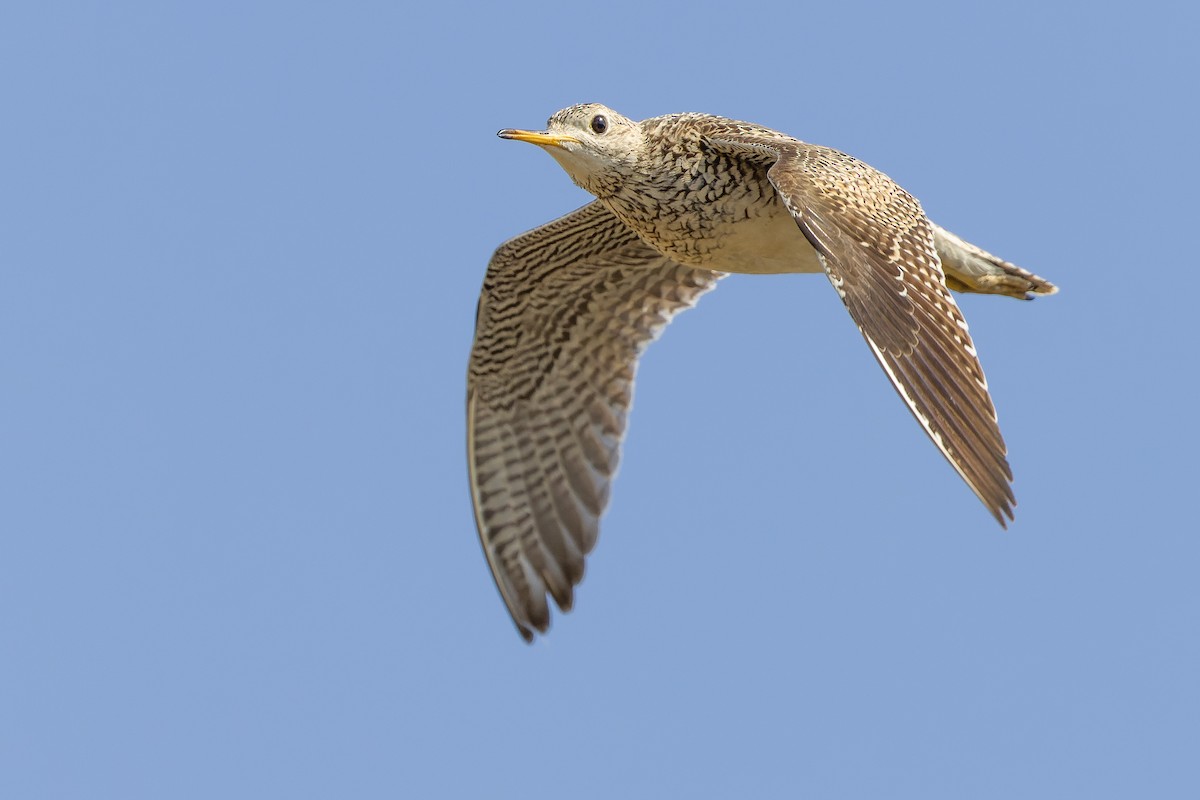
x=681, y=201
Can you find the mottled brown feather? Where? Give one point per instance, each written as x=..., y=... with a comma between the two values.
x=878, y=250
x=565, y=312
x=567, y=308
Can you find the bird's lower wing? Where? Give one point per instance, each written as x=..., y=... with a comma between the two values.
x=877, y=247
x=565, y=312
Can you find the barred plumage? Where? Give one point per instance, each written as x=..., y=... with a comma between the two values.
x=567, y=308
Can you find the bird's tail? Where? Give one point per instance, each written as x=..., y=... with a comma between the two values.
x=971, y=269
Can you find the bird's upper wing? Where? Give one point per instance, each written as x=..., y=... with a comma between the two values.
x=877, y=247
x=565, y=312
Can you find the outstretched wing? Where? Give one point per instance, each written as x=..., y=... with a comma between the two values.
x=877, y=247
x=565, y=312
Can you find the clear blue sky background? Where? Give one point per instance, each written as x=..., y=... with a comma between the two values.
x=240, y=250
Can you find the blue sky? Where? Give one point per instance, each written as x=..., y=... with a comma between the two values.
x=240, y=250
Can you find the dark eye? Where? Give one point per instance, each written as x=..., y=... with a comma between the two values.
x=599, y=123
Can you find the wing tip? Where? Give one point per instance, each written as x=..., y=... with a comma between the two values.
x=1001, y=511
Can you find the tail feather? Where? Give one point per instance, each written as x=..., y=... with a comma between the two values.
x=971, y=269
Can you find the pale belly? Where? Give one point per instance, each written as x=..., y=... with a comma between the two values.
x=766, y=244
x=762, y=245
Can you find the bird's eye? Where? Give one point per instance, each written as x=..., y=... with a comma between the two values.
x=599, y=123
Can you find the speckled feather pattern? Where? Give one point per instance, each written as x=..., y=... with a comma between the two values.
x=565, y=311
x=878, y=249
x=567, y=308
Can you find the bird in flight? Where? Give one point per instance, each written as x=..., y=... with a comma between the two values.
x=681, y=200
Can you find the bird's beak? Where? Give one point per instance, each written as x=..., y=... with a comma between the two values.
x=540, y=139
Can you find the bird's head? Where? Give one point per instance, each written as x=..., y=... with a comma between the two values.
x=594, y=144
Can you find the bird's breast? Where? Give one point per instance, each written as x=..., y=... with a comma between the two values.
x=759, y=238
